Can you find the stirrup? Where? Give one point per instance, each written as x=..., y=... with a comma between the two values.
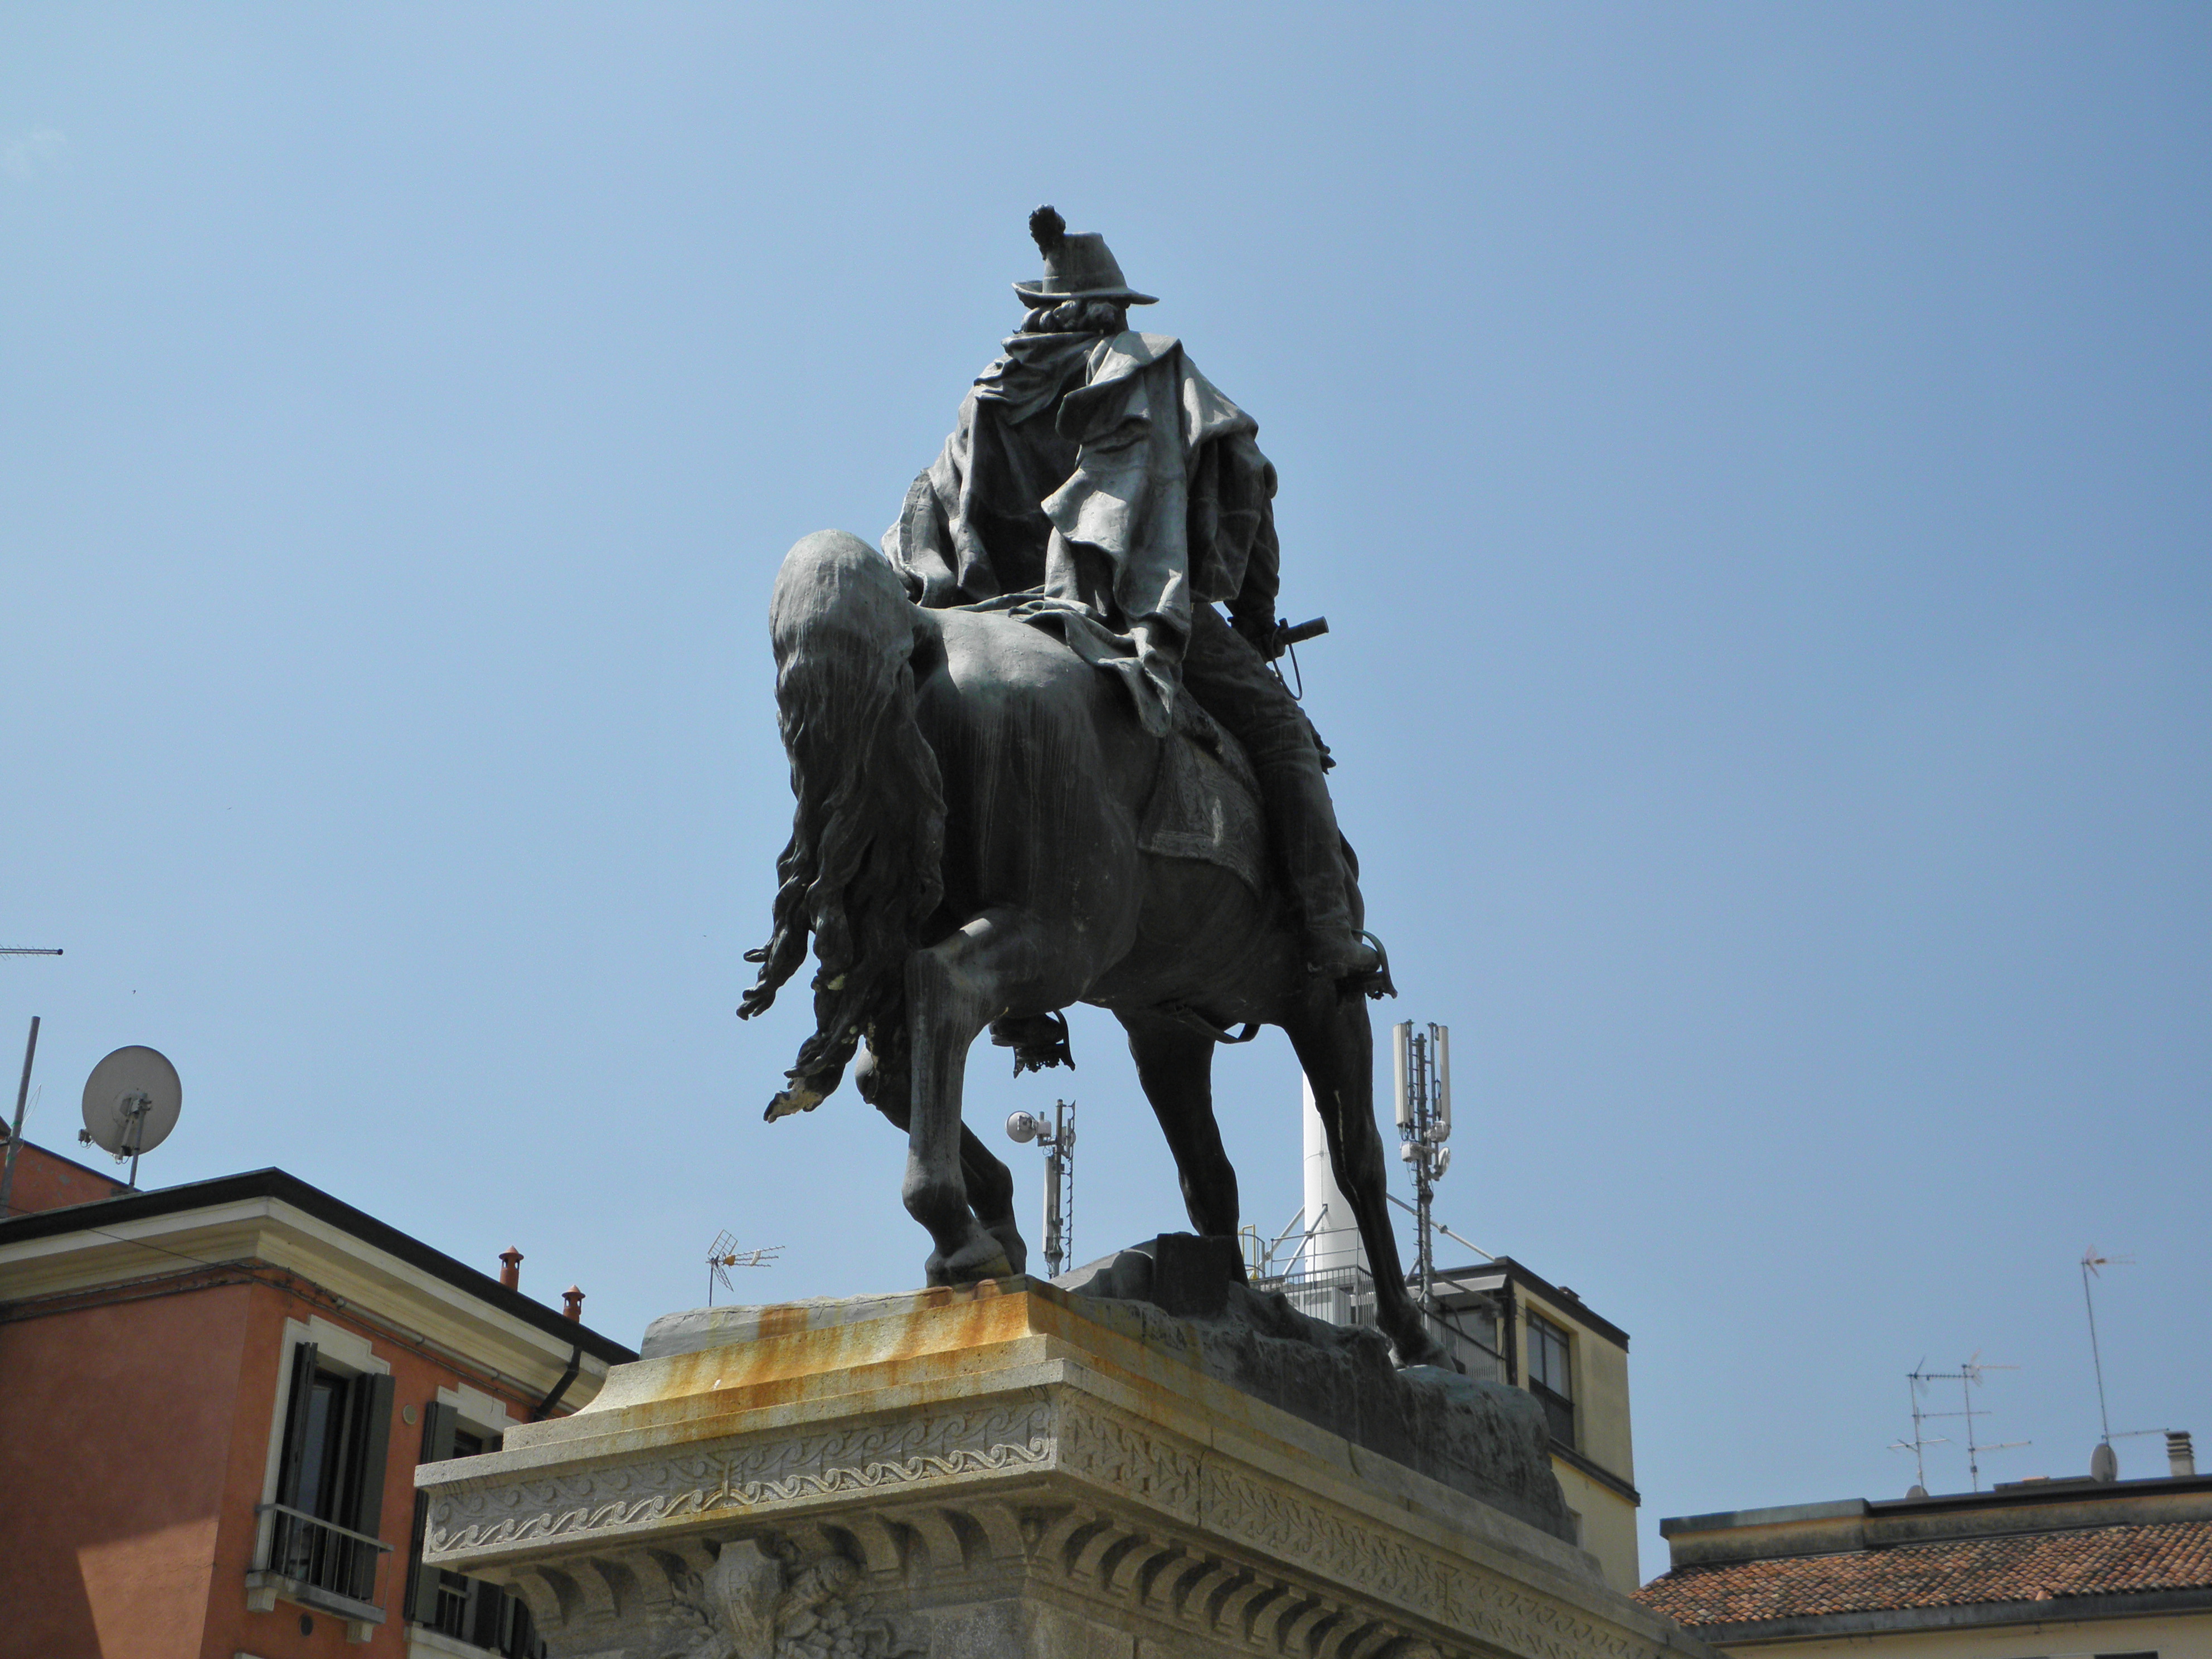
x=1376, y=982
x=1037, y=1040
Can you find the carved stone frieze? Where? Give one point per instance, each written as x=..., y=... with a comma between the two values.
x=617, y=1497
x=1103, y=1447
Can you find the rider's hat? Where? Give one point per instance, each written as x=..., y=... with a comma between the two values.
x=1078, y=267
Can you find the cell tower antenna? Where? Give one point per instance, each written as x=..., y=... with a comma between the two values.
x=1056, y=1139
x=2090, y=1262
x=724, y=1255
x=1421, y=1062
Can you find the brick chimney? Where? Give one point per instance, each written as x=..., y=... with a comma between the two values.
x=510, y=1268
x=572, y=1303
x=2180, y=1456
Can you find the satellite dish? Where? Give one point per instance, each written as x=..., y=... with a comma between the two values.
x=1023, y=1127
x=2104, y=1463
x=131, y=1104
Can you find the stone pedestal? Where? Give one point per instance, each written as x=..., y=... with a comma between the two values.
x=1013, y=1472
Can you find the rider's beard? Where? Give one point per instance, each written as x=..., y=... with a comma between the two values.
x=1078, y=317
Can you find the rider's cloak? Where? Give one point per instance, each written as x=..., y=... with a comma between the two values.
x=1100, y=479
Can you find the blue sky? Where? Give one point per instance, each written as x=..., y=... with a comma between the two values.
x=1754, y=460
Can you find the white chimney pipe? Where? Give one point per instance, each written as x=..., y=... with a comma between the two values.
x=2180, y=1456
x=1338, y=1244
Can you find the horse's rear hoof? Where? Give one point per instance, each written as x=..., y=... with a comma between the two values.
x=982, y=1257
x=1426, y=1350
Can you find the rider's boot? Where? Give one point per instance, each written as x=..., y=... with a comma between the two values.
x=1303, y=821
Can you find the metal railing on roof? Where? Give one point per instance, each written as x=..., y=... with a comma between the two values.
x=1346, y=1296
x=1340, y=1296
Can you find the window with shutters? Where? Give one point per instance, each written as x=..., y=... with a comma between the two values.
x=467, y=1609
x=330, y=1483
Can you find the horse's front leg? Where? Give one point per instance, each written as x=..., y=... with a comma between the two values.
x=1336, y=1047
x=953, y=990
x=885, y=1078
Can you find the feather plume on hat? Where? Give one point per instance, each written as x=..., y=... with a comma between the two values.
x=1078, y=267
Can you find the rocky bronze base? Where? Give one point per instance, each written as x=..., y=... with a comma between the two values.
x=1015, y=1470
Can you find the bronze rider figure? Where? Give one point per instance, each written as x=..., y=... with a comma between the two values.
x=1094, y=470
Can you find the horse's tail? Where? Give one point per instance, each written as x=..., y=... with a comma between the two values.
x=863, y=870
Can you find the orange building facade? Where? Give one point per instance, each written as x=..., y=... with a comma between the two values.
x=215, y=1396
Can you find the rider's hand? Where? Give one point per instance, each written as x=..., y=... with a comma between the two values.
x=1259, y=630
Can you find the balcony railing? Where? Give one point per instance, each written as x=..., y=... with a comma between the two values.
x=321, y=1554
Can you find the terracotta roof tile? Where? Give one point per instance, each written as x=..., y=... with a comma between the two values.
x=2018, y=1567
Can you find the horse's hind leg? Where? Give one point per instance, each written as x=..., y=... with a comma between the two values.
x=953, y=989
x=1176, y=1066
x=1336, y=1046
x=885, y=1081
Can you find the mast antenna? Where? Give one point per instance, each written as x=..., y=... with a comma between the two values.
x=2090, y=1262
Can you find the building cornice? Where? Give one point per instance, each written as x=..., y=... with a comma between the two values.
x=268, y=1216
x=1560, y=1301
x=1605, y=1477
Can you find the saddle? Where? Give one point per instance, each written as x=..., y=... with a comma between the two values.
x=1204, y=802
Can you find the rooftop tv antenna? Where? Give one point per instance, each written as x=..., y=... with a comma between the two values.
x=1921, y=1441
x=1057, y=1141
x=131, y=1104
x=2105, y=1461
x=1421, y=1064
x=2090, y=1262
x=16, y=1135
x=23, y=1090
x=1968, y=1377
x=724, y=1255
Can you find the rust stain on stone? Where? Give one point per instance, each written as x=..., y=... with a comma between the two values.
x=941, y=1338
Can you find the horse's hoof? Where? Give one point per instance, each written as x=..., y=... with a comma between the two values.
x=982, y=1257
x=1011, y=1241
x=1426, y=1350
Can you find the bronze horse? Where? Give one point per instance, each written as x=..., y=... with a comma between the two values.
x=965, y=849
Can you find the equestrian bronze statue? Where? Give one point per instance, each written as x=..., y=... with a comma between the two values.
x=1035, y=767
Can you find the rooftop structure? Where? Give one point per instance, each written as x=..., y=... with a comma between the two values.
x=2075, y=1567
x=217, y=1396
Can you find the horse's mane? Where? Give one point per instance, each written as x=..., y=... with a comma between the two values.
x=863, y=869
